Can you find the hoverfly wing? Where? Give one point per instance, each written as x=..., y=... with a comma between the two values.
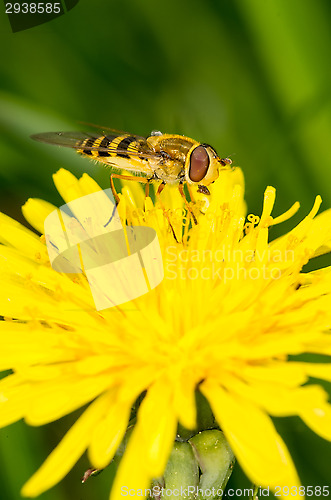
x=64, y=139
x=75, y=140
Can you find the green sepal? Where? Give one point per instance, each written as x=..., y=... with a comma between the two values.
x=215, y=459
x=181, y=476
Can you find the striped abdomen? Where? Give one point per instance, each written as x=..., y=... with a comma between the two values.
x=111, y=146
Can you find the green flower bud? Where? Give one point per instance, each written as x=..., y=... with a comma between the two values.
x=197, y=470
x=181, y=476
x=215, y=459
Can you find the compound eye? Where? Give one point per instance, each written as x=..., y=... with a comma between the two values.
x=199, y=164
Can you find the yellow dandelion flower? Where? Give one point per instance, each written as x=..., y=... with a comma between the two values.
x=231, y=312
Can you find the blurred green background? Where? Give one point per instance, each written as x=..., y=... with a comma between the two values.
x=250, y=77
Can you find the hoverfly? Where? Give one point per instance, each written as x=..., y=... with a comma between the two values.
x=169, y=158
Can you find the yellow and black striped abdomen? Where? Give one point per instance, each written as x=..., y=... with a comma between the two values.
x=111, y=146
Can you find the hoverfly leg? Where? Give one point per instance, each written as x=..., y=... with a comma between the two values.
x=187, y=205
x=190, y=193
x=157, y=194
x=116, y=197
x=160, y=189
x=203, y=190
x=126, y=178
x=149, y=180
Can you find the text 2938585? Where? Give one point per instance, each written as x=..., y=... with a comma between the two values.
x=33, y=8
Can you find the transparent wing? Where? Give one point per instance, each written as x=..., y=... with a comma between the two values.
x=65, y=139
x=74, y=140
